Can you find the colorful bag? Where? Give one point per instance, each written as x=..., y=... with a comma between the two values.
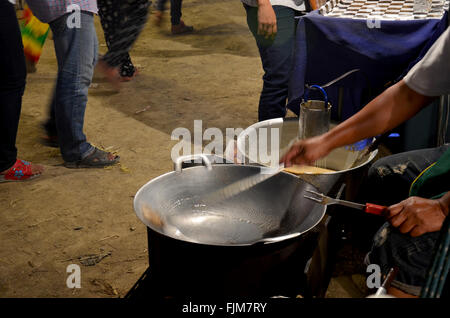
x=34, y=33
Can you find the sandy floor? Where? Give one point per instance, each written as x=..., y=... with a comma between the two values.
x=213, y=74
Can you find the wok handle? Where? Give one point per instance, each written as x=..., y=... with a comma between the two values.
x=181, y=159
x=375, y=209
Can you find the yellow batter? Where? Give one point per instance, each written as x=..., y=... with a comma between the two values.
x=296, y=169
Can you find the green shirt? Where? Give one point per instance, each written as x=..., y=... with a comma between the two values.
x=434, y=181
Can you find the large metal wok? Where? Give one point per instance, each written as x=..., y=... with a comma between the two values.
x=271, y=211
x=258, y=242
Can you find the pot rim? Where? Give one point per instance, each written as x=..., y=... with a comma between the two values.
x=264, y=241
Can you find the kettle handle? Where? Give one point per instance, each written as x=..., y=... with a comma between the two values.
x=325, y=96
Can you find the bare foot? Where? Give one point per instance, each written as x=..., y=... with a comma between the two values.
x=158, y=18
x=111, y=74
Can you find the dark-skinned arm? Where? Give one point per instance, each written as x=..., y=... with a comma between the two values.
x=418, y=216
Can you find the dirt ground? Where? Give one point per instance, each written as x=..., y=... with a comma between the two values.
x=46, y=224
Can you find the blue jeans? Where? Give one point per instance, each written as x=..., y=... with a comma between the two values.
x=76, y=51
x=277, y=57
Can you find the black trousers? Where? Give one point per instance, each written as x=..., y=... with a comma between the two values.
x=175, y=10
x=12, y=83
x=122, y=23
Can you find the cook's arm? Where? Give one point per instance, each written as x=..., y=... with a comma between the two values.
x=394, y=106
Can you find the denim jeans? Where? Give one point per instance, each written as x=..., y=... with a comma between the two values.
x=277, y=57
x=76, y=51
x=12, y=83
x=389, y=181
x=175, y=10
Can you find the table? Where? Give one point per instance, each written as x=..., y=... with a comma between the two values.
x=328, y=46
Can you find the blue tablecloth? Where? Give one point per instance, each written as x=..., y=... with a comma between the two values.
x=328, y=47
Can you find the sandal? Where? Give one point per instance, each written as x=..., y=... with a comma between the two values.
x=20, y=171
x=97, y=159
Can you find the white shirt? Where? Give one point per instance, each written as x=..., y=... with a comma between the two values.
x=431, y=76
x=298, y=5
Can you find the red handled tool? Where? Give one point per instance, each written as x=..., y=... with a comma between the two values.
x=368, y=207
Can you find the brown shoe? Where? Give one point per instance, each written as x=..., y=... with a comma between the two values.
x=181, y=28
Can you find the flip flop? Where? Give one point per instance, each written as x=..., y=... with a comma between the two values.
x=97, y=159
x=20, y=171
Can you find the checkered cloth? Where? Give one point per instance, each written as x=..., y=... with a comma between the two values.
x=49, y=10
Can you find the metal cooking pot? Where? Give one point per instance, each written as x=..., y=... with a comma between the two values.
x=341, y=159
x=256, y=243
x=271, y=211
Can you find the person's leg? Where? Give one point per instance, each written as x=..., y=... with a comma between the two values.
x=12, y=85
x=76, y=50
x=159, y=12
x=389, y=181
x=277, y=59
x=133, y=16
x=178, y=26
x=127, y=69
x=411, y=255
x=175, y=11
x=161, y=5
x=110, y=24
x=108, y=12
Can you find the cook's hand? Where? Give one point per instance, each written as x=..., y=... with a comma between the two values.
x=416, y=216
x=305, y=152
x=267, y=20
